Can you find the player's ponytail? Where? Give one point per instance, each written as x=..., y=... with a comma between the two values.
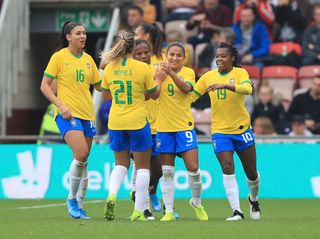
x=234, y=52
x=122, y=47
x=156, y=37
x=66, y=29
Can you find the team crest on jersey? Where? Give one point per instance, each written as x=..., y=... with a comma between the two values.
x=158, y=144
x=232, y=81
x=88, y=65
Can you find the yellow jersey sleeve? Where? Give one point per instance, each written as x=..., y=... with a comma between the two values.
x=199, y=89
x=150, y=83
x=53, y=67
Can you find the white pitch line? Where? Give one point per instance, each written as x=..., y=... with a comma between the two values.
x=55, y=205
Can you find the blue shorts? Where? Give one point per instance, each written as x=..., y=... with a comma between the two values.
x=88, y=127
x=232, y=142
x=134, y=140
x=154, y=145
x=176, y=142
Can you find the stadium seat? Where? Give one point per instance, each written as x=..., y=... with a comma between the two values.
x=282, y=79
x=255, y=74
x=199, y=48
x=306, y=74
x=202, y=120
x=285, y=47
x=180, y=25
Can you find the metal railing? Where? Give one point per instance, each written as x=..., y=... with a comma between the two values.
x=14, y=40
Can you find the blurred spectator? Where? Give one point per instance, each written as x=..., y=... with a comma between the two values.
x=158, y=6
x=176, y=36
x=263, y=126
x=298, y=127
x=133, y=18
x=149, y=10
x=180, y=9
x=263, y=12
x=292, y=16
x=311, y=40
x=266, y=107
x=230, y=4
x=210, y=16
x=252, y=38
x=308, y=104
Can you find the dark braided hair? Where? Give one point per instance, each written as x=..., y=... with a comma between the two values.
x=66, y=29
x=233, y=51
x=141, y=42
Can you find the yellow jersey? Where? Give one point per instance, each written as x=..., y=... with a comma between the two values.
x=152, y=106
x=128, y=80
x=74, y=74
x=175, y=106
x=228, y=112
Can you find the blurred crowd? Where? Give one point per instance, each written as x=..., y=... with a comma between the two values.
x=253, y=26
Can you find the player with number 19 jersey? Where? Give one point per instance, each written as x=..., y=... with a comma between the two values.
x=74, y=74
x=128, y=80
x=228, y=112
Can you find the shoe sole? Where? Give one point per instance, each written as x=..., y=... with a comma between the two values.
x=109, y=216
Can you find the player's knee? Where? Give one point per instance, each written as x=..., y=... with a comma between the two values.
x=168, y=171
x=227, y=167
x=82, y=154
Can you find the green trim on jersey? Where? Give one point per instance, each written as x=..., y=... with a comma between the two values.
x=224, y=74
x=153, y=89
x=106, y=90
x=197, y=93
x=48, y=75
x=97, y=83
x=78, y=57
x=245, y=81
x=124, y=61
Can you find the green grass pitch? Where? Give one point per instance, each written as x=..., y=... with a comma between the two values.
x=296, y=218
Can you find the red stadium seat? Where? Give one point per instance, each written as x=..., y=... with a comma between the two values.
x=254, y=73
x=306, y=74
x=282, y=79
x=285, y=47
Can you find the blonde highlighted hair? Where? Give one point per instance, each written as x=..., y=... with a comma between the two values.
x=122, y=47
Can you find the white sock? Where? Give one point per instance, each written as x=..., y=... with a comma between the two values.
x=167, y=184
x=75, y=174
x=134, y=176
x=83, y=186
x=254, y=187
x=142, y=184
x=195, y=184
x=116, y=179
x=147, y=203
x=231, y=186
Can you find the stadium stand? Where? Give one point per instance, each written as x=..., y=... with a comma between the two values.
x=282, y=48
x=306, y=74
x=180, y=25
x=254, y=73
x=282, y=78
